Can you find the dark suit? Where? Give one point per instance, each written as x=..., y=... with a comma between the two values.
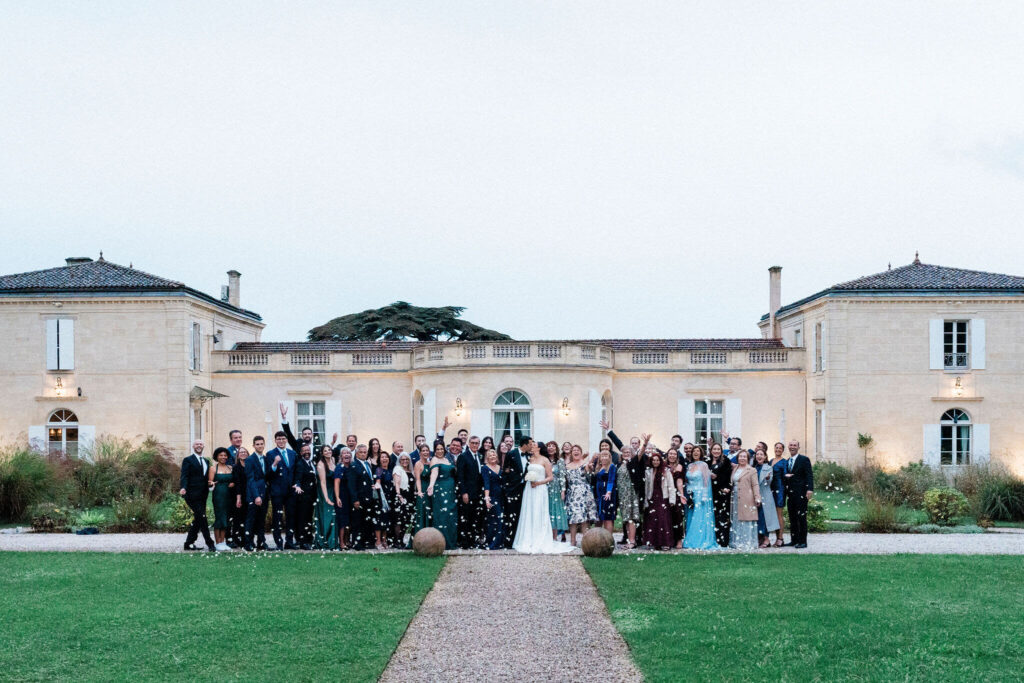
x=360, y=490
x=238, y=514
x=256, y=487
x=721, y=496
x=471, y=514
x=512, y=481
x=797, y=487
x=197, y=488
x=296, y=444
x=282, y=495
x=305, y=479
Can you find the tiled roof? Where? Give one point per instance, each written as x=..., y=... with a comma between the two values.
x=101, y=276
x=920, y=277
x=615, y=344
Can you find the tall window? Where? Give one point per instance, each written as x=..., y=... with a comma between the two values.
x=512, y=414
x=798, y=337
x=707, y=421
x=194, y=361
x=62, y=432
x=606, y=410
x=955, y=437
x=312, y=415
x=60, y=344
x=954, y=344
x=819, y=347
x=419, y=416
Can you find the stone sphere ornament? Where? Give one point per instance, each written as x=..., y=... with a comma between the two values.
x=428, y=542
x=598, y=542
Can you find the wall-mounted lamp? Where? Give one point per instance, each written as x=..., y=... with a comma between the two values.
x=565, y=406
x=458, y=407
x=958, y=388
x=59, y=387
x=79, y=391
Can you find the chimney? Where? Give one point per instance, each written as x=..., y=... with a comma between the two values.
x=774, y=300
x=233, y=276
x=77, y=260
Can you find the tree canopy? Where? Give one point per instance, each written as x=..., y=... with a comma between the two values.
x=402, y=321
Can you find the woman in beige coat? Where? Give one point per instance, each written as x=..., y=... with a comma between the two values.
x=746, y=499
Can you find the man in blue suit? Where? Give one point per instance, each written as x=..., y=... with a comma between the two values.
x=359, y=480
x=280, y=473
x=256, y=494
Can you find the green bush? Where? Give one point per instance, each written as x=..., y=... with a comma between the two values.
x=117, y=469
x=944, y=504
x=881, y=517
x=817, y=516
x=831, y=476
x=91, y=518
x=134, y=514
x=50, y=517
x=26, y=478
x=1001, y=499
x=874, y=483
x=912, y=481
x=180, y=518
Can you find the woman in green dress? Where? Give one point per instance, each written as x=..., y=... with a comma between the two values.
x=221, y=479
x=421, y=476
x=556, y=493
x=442, y=493
x=325, y=529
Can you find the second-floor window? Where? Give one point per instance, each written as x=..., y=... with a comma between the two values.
x=955, y=345
x=819, y=347
x=195, y=359
x=60, y=344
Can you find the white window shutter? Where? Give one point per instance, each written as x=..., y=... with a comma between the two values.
x=978, y=343
x=430, y=414
x=814, y=348
x=824, y=345
x=66, y=337
x=479, y=422
x=734, y=417
x=332, y=421
x=935, y=344
x=199, y=351
x=543, y=424
x=52, y=359
x=190, y=344
x=687, y=427
x=932, y=452
x=594, y=417
x=86, y=440
x=37, y=437
x=981, y=449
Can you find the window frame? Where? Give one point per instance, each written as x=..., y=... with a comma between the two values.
x=954, y=339
x=62, y=423
x=310, y=419
x=957, y=423
x=513, y=409
x=700, y=434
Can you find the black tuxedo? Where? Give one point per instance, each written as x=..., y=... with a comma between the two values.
x=721, y=496
x=194, y=473
x=360, y=490
x=797, y=486
x=305, y=479
x=512, y=482
x=296, y=444
x=471, y=514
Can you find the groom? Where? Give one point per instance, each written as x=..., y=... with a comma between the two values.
x=513, y=471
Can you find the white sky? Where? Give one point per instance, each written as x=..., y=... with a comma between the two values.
x=563, y=170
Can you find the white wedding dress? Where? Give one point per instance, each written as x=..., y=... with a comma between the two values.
x=533, y=535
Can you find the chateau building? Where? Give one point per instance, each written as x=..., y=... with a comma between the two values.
x=926, y=359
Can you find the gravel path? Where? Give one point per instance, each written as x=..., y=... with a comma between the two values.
x=471, y=629
x=997, y=542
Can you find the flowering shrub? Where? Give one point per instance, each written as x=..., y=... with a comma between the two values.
x=817, y=516
x=944, y=504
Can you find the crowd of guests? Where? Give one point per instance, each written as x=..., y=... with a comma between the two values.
x=359, y=496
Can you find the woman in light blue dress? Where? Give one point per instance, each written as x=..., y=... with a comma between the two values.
x=700, y=515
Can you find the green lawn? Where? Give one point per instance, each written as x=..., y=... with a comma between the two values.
x=272, y=616
x=817, y=617
x=841, y=505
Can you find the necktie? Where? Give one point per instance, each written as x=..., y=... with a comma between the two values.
x=284, y=456
x=791, y=464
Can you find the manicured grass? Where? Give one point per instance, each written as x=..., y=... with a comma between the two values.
x=841, y=505
x=817, y=617
x=104, y=616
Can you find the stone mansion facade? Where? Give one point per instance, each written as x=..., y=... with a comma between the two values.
x=928, y=360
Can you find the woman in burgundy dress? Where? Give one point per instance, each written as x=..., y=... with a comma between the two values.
x=660, y=492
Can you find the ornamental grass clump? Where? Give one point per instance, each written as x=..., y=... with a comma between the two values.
x=26, y=479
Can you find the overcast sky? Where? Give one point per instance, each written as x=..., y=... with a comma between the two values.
x=562, y=170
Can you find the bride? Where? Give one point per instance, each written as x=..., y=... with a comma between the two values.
x=533, y=535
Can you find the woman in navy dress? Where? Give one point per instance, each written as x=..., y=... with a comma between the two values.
x=342, y=499
x=605, y=494
x=385, y=485
x=492, y=499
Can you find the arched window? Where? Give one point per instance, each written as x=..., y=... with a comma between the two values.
x=62, y=432
x=418, y=415
x=512, y=414
x=606, y=410
x=955, y=437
